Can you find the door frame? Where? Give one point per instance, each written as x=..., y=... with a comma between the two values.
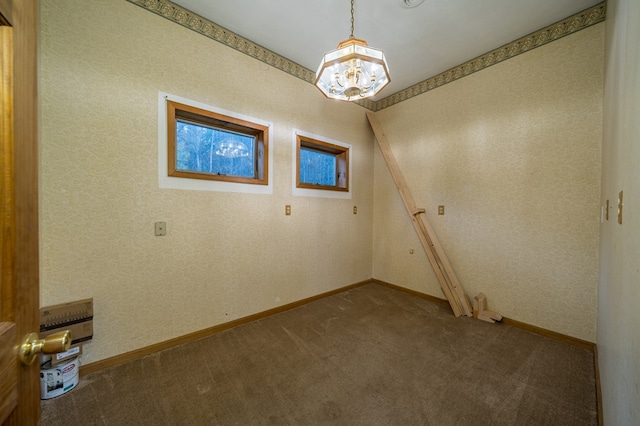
x=19, y=261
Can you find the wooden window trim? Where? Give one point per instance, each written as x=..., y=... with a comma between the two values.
x=342, y=163
x=259, y=132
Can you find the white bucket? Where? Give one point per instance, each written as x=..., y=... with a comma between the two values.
x=59, y=379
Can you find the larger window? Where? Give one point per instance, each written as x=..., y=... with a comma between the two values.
x=207, y=145
x=321, y=165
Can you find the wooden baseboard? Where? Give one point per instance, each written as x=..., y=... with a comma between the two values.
x=148, y=350
x=574, y=341
x=413, y=292
x=598, y=388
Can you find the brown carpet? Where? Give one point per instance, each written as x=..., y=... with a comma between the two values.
x=369, y=356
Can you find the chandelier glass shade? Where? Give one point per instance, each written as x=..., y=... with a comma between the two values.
x=232, y=149
x=353, y=71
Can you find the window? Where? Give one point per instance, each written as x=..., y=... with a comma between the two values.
x=202, y=144
x=321, y=165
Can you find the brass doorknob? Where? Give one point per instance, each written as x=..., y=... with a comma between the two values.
x=53, y=343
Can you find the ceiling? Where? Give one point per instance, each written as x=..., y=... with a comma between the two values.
x=419, y=42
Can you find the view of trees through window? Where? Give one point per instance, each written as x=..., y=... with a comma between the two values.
x=205, y=149
x=321, y=165
x=317, y=168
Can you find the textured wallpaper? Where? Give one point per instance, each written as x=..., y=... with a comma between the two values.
x=619, y=291
x=225, y=255
x=513, y=153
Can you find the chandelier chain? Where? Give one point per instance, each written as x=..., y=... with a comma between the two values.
x=351, y=36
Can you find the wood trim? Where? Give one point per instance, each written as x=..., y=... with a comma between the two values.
x=443, y=270
x=212, y=119
x=570, y=340
x=341, y=154
x=596, y=365
x=426, y=296
x=23, y=304
x=4, y=21
x=171, y=137
x=6, y=12
x=148, y=350
x=191, y=337
x=7, y=193
x=8, y=370
x=8, y=335
x=573, y=341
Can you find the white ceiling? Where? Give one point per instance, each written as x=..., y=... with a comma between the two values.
x=419, y=42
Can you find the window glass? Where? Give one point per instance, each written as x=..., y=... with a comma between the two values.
x=321, y=165
x=317, y=168
x=206, y=149
x=206, y=145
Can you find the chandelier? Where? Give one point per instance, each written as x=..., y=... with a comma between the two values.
x=231, y=149
x=353, y=71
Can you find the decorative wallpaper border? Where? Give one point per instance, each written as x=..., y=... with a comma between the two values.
x=567, y=26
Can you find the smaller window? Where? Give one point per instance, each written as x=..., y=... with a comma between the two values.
x=321, y=165
x=206, y=145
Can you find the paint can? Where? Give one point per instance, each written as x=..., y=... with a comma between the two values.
x=56, y=380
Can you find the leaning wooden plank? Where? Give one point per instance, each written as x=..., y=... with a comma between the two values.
x=438, y=271
x=413, y=210
x=446, y=277
x=426, y=238
x=452, y=279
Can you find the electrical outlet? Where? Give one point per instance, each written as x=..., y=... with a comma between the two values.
x=355, y=209
x=287, y=210
x=441, y=210
x=161, y=228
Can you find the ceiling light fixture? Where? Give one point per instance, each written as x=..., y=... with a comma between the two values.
x=353, y=71
x=231, y=149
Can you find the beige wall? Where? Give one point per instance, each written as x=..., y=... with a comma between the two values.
x=619, y=291
x=513, y=153
x=226, y=255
